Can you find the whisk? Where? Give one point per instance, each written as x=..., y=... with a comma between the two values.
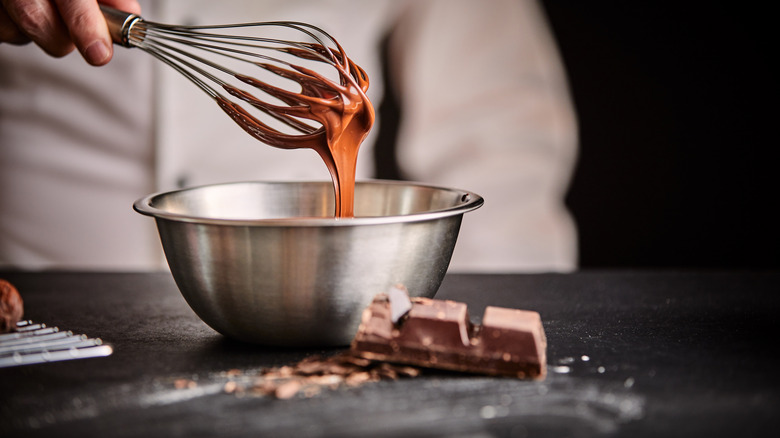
x=211, y=60
x=328, y=113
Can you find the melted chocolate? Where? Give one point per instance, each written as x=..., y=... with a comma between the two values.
x=343, y=111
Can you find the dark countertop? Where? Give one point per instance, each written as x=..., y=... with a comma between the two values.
x=631, y=353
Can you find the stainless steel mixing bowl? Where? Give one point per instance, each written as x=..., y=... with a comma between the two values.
x=267, y=263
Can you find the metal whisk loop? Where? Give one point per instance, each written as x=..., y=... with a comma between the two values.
x=212, y=61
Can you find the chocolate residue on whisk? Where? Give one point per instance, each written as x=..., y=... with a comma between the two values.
x=343, y=110
x=339, y=106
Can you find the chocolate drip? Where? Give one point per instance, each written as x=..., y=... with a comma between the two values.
x=342, y=110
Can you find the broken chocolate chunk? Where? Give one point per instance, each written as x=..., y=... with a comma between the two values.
x=439, y=334
x=11, y=306
x=400, y=304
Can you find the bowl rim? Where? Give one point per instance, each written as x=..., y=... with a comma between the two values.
x=470, y=201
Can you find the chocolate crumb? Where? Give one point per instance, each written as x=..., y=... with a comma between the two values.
x=287, y=389
x=230, y=387
x=311, y=391
x=359, y=378
x=184, y=384
x=313, y=374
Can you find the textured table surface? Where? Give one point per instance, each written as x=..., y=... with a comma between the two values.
x=631, y=353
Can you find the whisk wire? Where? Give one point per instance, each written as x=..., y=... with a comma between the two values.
x=203, y=56
x=191, y=35
x=181, y=65
x=310, y=30
x=188, y=65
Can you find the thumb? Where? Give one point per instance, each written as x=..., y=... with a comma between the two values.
x=88, y=29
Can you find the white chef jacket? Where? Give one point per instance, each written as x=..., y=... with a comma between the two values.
x=485, y=108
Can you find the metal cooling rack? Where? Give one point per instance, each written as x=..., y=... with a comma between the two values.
x=33, y=343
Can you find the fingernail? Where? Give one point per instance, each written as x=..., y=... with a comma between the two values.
x=97, y=53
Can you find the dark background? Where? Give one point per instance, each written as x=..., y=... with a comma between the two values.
x=677, y=105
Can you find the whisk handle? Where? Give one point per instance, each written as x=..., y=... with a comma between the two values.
x=119, y=24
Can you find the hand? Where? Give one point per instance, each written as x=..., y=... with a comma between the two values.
x=59, y=26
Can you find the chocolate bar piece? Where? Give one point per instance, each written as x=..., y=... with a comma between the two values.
x=439, y=334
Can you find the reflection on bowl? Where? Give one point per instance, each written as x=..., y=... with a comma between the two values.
x=266, y=262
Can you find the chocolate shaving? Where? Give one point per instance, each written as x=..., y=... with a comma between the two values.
x=315, y=373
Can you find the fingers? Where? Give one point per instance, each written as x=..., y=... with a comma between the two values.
x=87, y=28
x=9, y=31
x=130, y=6
x=59, y=26
x=36, y=20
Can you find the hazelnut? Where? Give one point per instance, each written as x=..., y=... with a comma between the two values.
x=11, y=306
